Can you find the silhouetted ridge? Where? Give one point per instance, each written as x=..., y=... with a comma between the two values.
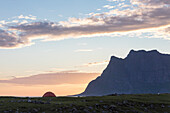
x=140, y=72
x=142, y=53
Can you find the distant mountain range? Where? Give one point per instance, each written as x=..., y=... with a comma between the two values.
x=140, y=72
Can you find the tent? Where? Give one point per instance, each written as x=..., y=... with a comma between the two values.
x=49, y=94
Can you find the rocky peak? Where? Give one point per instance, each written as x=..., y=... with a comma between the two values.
x=142, y=53
x=140, y=72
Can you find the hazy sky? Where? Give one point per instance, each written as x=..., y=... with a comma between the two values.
x=74, y=37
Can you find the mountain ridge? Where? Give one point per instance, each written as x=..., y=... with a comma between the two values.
x=138, y=73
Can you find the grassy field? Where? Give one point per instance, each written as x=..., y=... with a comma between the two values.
x=105, y=104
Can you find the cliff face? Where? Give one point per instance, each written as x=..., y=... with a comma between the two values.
x=140, y=72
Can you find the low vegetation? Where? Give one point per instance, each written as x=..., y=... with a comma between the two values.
x=104, y=104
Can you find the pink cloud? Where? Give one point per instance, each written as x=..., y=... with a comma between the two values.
x=54, y=78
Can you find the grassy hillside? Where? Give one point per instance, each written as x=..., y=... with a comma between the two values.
x=104, y=104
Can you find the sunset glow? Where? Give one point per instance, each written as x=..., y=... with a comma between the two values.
x=61, y=46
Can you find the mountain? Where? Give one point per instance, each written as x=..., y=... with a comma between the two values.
x=140, y=72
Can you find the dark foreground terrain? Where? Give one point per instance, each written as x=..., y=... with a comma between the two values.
x=105, y=104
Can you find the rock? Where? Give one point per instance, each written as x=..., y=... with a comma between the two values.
x=143, y=105
x=71, y=105
x=119, y=103
x=86, y=111
x=90, y=107
x=152, y=106
x=134, y=111
x=131, y=107
x=122, y=111
x=11, y=101
x=19, y=101
x=97, y=105
x=74, y=109
x=101, y=101
x=15, y=101
x=35, y=110
x=105, y=107
x=47, y=102
x=145, y=109
x=23, y=100
x=2, y=101
x=37, y=102
x=162, y=106
x=112, y=106
x=10, y=110
x=41, y=102
x=125, y=101
x=83, y=100
x=29, y=101
x=141, y=72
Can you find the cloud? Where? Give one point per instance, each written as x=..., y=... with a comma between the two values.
x=2, y=22
x=1, y=25
x=11, y=40
x=146, y=14
x=151, y=2
x=96, y=63
x=109, y=7
x=167, y=30
x=30, y=17
x=65, y=77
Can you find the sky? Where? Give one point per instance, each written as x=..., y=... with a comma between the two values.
x=61, y=45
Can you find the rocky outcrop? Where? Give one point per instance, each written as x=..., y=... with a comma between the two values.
x=140, y=72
